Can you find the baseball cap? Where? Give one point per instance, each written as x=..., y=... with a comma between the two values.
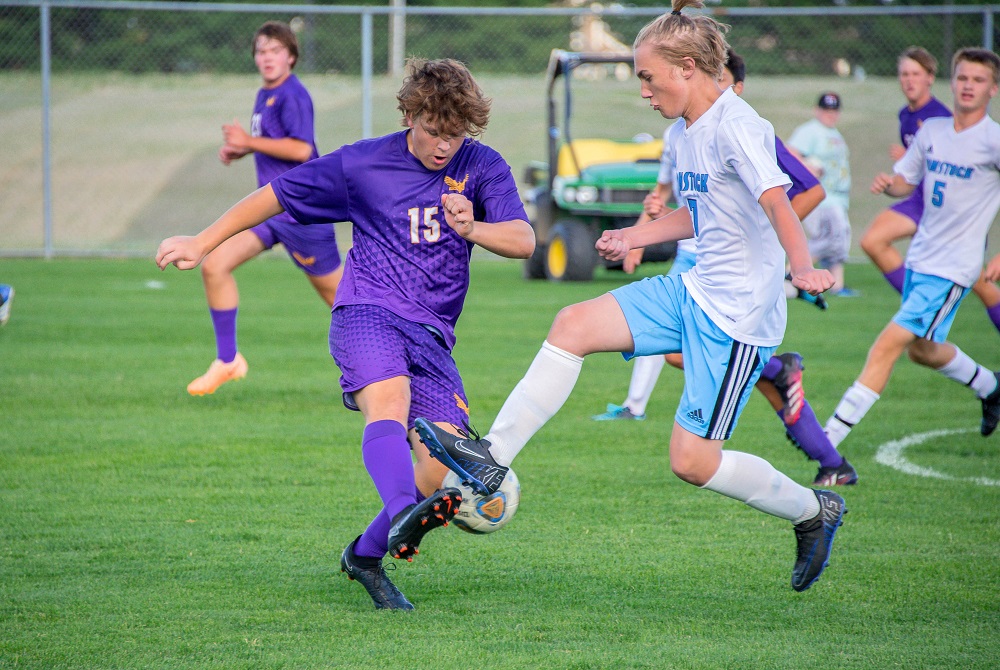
x=829, y=101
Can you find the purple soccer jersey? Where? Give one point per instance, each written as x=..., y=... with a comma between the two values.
x=802, y=178
x=910, y=121
x=405, y=257
x=912, y=207
x=284, y=111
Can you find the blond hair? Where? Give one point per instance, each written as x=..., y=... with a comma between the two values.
x=677, y=36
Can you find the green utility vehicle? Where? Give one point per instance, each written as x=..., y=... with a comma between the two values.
x=589, y=184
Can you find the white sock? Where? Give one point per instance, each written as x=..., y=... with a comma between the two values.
x=852, y=408
x=757, y=483
x=645, y=372
x=536, y=398
x=966, y=371
x=790, y=290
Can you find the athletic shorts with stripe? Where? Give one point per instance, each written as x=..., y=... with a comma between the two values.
x=719, y=372
x=929, y=305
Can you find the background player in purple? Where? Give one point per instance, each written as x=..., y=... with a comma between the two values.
x=281, y=137
x=917, y=69
x=419, y=200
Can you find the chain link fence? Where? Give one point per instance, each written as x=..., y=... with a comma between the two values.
x=111, y=111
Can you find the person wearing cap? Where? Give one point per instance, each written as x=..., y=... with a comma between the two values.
x=823, y=149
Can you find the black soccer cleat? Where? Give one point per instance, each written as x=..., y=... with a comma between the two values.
x=467, y=455
x=991, y=410
x=410, y=525
x=383, y=592
x=842, y=475
x=815, y=540
x=788, y=381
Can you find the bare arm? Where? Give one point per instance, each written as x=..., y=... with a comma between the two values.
x=186, y=252
x=615, y=245
x=510, y=239
x=654, y=206
x=892, y=184
x=805, y=202
x=786, y=224
x=240, y=143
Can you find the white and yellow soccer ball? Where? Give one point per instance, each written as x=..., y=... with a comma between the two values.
x=486, y=514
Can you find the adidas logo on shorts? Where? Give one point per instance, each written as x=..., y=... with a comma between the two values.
x=696, y=416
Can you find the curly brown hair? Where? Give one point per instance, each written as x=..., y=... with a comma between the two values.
x=444, y=92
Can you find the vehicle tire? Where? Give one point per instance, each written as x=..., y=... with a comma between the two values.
x=534, y=266
x=570, y=253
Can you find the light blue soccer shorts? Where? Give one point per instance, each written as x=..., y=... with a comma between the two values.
x=719, y=372
x=929, y=305
x=683, y=261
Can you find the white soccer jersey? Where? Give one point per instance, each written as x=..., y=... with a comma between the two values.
x=668, y=175
x=725, y=162
x=961, y=174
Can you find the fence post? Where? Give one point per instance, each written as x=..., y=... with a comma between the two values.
x=366, y=74
x=988, y=28
x=45, y=27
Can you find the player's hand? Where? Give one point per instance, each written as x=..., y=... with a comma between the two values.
x=458, y=213
x=632, y=260
x=992, y=272
x=236, y=137
x=812, y=281
x=896, y=151
x=613, y=245
x=228, y=154
x=182, y=251
x=652, y=204
x=881, y=183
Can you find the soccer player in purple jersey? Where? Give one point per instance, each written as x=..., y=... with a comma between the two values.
x=281, y=136
x=781, y=379
x=917, y=69
x=419, y=200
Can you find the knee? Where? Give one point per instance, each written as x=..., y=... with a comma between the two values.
x=566, y=325
x=689, y=468
x=870, y=243
x=921, y=352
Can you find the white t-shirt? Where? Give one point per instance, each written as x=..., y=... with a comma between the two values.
x=725, y=162
x=961, y=174
x=668, y=175
x=826, y=146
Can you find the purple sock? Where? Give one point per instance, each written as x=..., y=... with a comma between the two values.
x=994, y=314
x=771, y=369
x=374, y=541
x=224, y=322
x=386, y=453
x=896, y=278
x=812, y=438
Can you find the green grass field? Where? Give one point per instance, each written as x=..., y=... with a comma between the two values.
x=142, y=528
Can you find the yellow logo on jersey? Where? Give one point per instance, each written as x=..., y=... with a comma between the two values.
x=270, y=101
x=461, y=404
x=457, y=186
x=304, y=260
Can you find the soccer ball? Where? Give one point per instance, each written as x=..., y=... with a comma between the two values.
x=485, y=514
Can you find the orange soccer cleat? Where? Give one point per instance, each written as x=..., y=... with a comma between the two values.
x=218, y=374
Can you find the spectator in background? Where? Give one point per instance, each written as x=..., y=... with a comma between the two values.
x=823, y=149
x=6, y=299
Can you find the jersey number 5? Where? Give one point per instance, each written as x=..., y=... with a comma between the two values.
x=431, y=226
x=937, y=197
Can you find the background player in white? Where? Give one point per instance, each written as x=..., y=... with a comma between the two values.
x=824, y=150
x=959, y=162
x=917, y=69
x=726, y=315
